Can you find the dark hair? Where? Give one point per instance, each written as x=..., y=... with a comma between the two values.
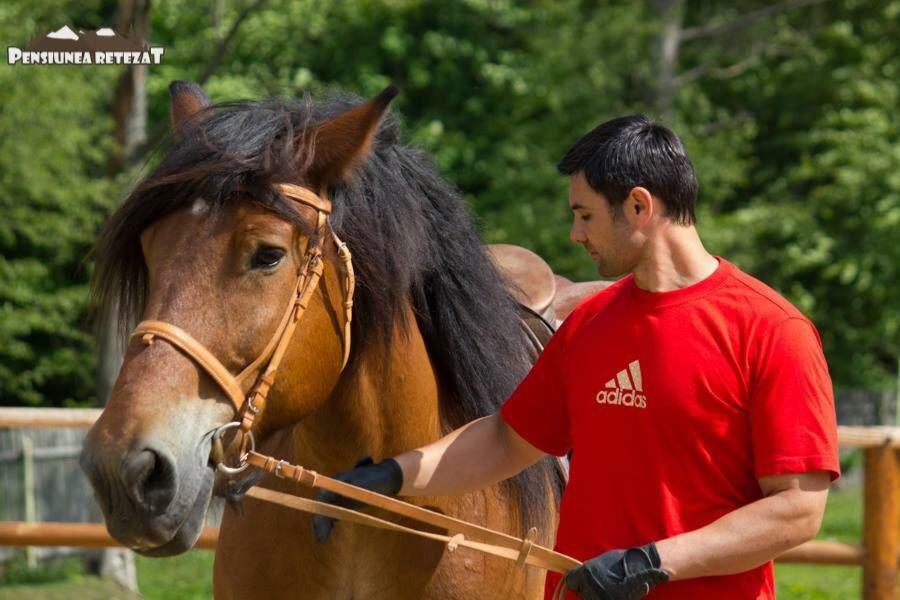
x=632, y=151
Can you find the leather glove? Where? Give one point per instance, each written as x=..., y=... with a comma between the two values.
x=385, y=478
x=618, y=574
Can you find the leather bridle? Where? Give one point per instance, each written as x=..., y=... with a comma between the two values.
x=248, y=393
x=524, y=551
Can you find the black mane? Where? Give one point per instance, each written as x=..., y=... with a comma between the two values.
x=412, y=237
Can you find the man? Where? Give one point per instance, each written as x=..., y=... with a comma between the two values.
x=695, y=400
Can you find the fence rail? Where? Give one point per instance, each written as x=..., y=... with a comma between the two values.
x=51, y=453
x=879, y=553
x=80, y=418
x=80, y=535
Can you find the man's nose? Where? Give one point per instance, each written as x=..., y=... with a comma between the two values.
x=575, y=234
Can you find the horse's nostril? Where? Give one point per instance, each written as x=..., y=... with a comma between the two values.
x=150, y=480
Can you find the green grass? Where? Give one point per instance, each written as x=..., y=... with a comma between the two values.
x=813, y=582
x=184, y=577
x=189, y=576
x=56, y=580
x=16, y=571
x=80, y=588
x=843, y=516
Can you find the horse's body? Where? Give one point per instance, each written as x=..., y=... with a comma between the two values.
x=436, y=344
x=391, y=406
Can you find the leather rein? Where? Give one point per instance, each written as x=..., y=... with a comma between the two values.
x=249, y=396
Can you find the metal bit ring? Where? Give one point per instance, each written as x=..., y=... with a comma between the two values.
x=242, y=461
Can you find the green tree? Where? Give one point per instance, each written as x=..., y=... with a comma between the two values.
x=54, y=141
x=787, y=108
x=814, y=202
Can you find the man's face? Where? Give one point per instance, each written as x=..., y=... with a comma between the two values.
x=607, y=238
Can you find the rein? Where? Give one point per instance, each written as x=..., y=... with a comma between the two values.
x=248, y=407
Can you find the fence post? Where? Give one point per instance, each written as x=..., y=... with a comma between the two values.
x=897, y=395
x=28, y=493
x=896, y=483
x=880, y=523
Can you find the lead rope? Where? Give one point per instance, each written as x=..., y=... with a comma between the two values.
x=460, y=533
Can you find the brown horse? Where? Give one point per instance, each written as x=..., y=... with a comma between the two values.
x=207, y=243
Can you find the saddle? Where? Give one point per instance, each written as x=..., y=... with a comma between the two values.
x=569, y=294
x=536, y=287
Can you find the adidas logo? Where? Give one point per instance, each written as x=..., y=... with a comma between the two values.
x=625, y=389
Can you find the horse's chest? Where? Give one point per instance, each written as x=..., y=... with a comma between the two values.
x=276, y=557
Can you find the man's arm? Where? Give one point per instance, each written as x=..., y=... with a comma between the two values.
x=789, y=514
x=471, y=458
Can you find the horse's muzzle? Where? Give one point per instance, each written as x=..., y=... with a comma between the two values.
x=148, y=497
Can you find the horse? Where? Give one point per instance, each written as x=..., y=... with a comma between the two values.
x=209, y=243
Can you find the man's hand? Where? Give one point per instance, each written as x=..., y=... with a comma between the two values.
x=618, y=574
x=385, y=478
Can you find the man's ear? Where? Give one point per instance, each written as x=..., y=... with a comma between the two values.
x=188, y=106
x=344, y=141
x=640, y=206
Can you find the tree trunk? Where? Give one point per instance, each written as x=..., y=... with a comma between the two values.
x=129, y=107
x=670, y=13
x=129, y=104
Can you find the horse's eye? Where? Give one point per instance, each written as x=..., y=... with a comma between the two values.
x=266, y=257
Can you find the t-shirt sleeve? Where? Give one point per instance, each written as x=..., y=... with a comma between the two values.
x=537, y=409
x=792, y=416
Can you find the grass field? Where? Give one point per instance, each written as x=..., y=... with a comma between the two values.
x=189, y=577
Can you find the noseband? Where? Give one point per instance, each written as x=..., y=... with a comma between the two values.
x=248, y=407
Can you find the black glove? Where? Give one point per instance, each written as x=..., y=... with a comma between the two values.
x=618, y=574
x=385, y=478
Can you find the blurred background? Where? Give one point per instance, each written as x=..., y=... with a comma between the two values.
x=788, y=110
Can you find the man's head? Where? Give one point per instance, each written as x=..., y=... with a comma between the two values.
x=629, y=176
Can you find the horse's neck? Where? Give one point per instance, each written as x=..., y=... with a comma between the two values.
x=388, y=405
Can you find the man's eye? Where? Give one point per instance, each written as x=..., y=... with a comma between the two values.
x=266, y=258
x=585, y=217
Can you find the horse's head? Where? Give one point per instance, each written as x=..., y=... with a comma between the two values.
x=211, y=244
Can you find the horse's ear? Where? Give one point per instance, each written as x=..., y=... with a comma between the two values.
x=188, y=104
x=342, y=142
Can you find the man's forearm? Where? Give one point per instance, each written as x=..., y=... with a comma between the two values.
x=471, y=458
x=745, y=538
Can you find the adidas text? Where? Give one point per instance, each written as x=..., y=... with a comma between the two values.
x=622, y=397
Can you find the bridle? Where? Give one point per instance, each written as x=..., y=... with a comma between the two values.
x=247, y=408
x=248, y=394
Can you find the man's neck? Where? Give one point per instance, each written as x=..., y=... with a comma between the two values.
x=672, y=259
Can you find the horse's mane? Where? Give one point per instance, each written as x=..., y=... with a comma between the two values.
x=412, y=237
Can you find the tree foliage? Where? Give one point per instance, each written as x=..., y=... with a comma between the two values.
x=54, y=142
x=789, y=114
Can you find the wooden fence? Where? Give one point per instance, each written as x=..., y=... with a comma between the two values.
x=878, y=553
x=40, y=481
x=46, y=503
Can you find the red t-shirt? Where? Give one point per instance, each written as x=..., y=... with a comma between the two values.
x=674, y=404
